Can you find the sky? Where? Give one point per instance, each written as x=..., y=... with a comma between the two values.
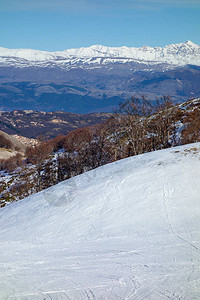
x=53, y=25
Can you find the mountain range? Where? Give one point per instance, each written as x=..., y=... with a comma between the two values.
x=177, y=54
x=96, y=78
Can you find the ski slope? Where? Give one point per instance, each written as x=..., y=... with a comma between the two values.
x=127, y=230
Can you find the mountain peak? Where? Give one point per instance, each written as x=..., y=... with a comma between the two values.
x=190, y=43
x=177, y=54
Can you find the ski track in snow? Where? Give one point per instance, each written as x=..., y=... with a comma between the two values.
x=130, y=231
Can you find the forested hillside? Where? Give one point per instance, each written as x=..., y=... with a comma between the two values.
x=137, y=127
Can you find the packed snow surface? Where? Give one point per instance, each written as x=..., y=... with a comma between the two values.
x=127, y=230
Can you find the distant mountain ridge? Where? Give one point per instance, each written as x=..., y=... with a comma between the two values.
x=177, y=54
x=96, y=78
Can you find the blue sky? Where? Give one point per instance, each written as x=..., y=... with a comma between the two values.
x=62, y=24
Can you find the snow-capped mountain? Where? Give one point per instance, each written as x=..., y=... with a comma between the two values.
x=127, y=230
x=97, y=78
x=175, y=54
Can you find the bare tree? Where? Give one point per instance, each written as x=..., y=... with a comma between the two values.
x=37, y=155
x=191, y=132
x=164, y=122
x=132, y=118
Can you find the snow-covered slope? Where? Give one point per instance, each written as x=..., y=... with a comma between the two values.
x=127, y=230
x=176, y=54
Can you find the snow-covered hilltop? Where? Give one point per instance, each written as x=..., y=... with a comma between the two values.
x=127, y=230
x=176, y=54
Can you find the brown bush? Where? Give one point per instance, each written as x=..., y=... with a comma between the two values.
x=12, y=163
x=5, y=143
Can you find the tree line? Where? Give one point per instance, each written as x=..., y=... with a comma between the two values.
x=136, y=127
